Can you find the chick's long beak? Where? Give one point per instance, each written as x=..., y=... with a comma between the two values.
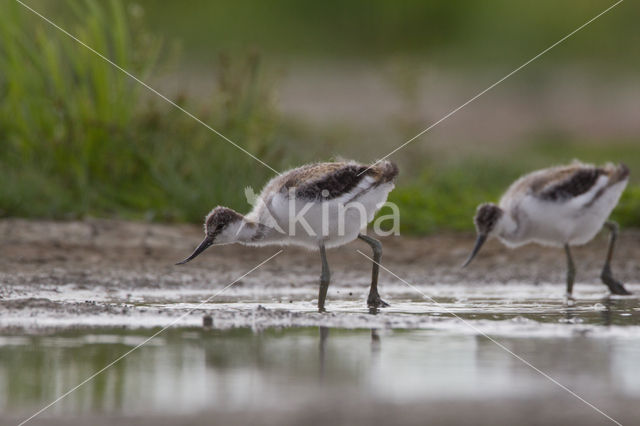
x=479, y=242
x=205, y=244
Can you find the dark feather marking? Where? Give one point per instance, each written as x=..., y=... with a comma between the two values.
x=577, y=184
x=335, y=183
x=340, y=180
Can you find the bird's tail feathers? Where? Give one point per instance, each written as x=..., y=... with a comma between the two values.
x=618, y=173
x=386, y=170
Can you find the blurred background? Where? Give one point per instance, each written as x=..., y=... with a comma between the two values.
x=296, y=82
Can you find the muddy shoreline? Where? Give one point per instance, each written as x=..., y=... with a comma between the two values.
x=104, y=269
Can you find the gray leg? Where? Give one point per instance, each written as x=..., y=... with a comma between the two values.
x=571, y=270
x=374, y=300
x=325, y=278
x=615, y=286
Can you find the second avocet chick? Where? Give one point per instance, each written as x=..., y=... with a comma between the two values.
x=560, y=206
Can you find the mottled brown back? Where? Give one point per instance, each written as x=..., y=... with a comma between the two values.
x=335, y=178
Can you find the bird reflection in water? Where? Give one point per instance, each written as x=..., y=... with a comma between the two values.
x=322, y=348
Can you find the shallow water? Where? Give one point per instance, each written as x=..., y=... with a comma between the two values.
x=519, y=310
x=266, y=350
x=195, y=369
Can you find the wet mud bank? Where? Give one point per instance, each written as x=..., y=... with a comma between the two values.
x=110, y=273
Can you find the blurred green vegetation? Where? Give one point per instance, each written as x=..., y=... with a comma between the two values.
x=79, y=138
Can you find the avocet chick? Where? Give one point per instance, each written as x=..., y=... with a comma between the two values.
x=559, y=206
x=318, y=206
